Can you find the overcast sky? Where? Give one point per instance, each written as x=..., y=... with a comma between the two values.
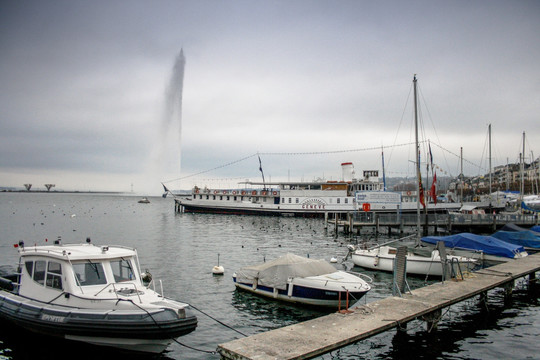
x=83, y=87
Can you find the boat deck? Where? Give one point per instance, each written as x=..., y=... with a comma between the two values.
x=324, y=334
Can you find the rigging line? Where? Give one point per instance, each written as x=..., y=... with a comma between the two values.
x=400, y=123
x=216, y=168
x=288, y=154
x=456, y=155
x=334, y=151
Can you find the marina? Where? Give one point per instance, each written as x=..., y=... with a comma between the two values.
x=182, y=249
x=311, y=338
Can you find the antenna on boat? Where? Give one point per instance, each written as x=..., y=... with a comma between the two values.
x=260, y=168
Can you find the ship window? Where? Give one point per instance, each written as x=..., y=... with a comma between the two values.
x=214, y=197
x=54, y=275
x=29, y=267
x=220, y=197
x=89, y=273
x=39, y=272
x=207, y=197
x=228, y=198
x=290, y=200
x=338, y=200
x=122, y=270
x=283, y=200
x=297, y=200
x=346, y=200
x=200, y=196
x=194, y=196
x=235, y=198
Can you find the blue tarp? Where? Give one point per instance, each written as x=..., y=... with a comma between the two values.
x=487, y=244
x=536, y=228
x=524, y=238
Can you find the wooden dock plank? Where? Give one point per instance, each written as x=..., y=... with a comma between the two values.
x=321, y=335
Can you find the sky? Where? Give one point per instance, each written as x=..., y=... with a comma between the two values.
x=302, y=85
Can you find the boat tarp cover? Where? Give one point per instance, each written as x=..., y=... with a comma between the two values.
x=276, y=272
x=524, y=238
x=514, y=227
x=487, y=244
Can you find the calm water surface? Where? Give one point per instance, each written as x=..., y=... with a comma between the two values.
x=181, y=249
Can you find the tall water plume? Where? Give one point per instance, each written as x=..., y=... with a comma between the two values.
x=165, y=159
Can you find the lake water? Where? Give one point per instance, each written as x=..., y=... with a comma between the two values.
x=181, y=249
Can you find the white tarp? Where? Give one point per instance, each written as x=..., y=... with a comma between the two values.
x=276, y=272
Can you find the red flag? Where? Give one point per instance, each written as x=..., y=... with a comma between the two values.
x=422, y=201
x=434, y=189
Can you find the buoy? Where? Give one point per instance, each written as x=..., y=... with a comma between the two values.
x=333, y=260
x=218, y=270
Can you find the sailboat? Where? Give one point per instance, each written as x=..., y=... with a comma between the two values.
x=382, y=257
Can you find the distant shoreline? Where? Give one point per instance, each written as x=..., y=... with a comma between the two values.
x=61, y=192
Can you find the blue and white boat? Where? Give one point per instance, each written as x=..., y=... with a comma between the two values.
x=297, y=279
x=486, y=248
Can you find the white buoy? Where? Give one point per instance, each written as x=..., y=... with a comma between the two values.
x=333, y=260
x=218, y=270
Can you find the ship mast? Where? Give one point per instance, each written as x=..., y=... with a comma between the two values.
x=417, y=150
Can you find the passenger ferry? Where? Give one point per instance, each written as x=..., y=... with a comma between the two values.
x=305, y=199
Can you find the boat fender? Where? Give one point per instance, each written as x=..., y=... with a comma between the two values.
x=290, y=289
x=255, y=282
x=6, y=284
x=276, y=292
x=376, y=260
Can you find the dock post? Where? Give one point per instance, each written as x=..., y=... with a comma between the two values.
x=508, y=289
x=494, y=222
x=432, y=320
x=532, y=282
x=336, y=223
x=351, y=223
x=325, y=220
x=376, y=223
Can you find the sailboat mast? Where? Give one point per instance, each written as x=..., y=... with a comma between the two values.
x=489, y=131
x=418, y=174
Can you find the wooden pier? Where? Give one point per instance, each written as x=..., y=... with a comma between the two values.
x=386, y=222
x=321, y=335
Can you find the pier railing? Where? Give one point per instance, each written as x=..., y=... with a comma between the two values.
x=468, y=222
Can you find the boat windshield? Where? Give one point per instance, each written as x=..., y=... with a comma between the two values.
x=122, y=270
x=89, y=273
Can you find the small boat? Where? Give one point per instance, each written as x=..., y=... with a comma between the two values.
x=487, y=248
x=302, y=280
x=144, y=200
x=382, y=258
x=526, y=238
x=92, y=294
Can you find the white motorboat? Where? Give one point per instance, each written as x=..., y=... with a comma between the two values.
x=382, y=258
x=144, y=200
x=92, y=294
x=302, y=280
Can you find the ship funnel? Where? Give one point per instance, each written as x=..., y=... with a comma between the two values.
x=347, y=171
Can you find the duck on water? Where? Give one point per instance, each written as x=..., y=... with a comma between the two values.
x=92, y=294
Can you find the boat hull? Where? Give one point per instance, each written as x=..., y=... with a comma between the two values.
x=319, y=297
x=416, y=265
x=137, y=330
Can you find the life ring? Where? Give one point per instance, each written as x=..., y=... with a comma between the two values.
x=224, y=191
x=263, y=193
x=274, y=193
x=254, y=192
x=243, y=193
x=215, y=191
x=234, y=192
x=197, y=191
x=408, y=193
